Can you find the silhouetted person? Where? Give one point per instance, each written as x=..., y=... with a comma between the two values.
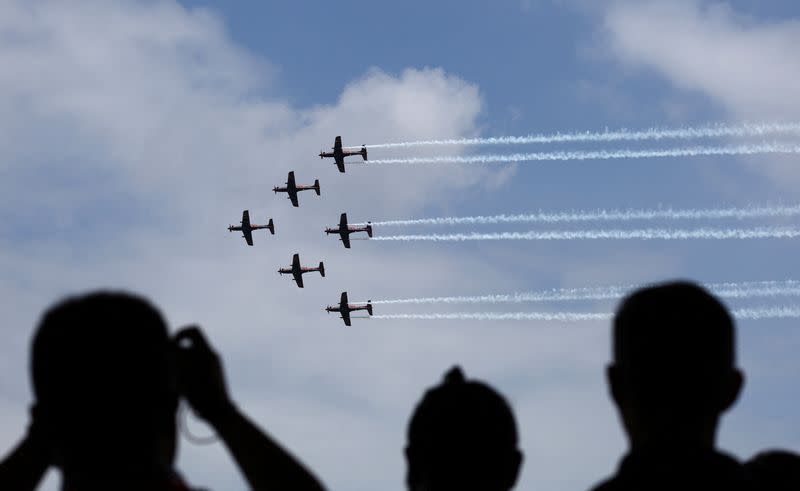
x=462, y=436
x=107, y=380
x=775, y=470
x=672, y=377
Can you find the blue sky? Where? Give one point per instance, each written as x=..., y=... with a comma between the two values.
x=163, y=120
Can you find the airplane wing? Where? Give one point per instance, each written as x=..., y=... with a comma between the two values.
x=343, y=221
x=345, y=239
x=346, y=317
x=293, y=196
x=344, y=301
x=296, y=262
x=290, y=181
x=337, y=144
x=298, y=277
x=246, y=219
x=340, y=164
x=248, y=235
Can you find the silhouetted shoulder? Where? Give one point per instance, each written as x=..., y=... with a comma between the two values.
x=704, y=471
x=776, y=470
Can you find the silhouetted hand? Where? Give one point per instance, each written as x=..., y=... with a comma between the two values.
x=202, y=381
x=38, y=437
x=264, y=463
x=24, y=467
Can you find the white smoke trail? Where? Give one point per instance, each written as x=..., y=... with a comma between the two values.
x=607, y=215
x=502, y=316
x=565, y=294
x=612, y=234
x=750, y=314
x=768, y=313
x=750, y=149
x=691, y=133
x=755, y=289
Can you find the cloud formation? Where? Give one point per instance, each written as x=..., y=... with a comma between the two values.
x=133, y=133
x=746, y=65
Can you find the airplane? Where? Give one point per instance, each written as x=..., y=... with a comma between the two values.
x=247, y=229
x=345, y=308
x=339, y=154
x=297, y=271
x=292, y=188
x=344, y=230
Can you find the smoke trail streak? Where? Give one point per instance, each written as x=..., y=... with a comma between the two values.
x=606, y=215
x=749, y=314
x=730, y=290
x=691, y=133
x=750, y=149
x=613, y=234
x=767, y=313
x=788, y=288
x=502, y=316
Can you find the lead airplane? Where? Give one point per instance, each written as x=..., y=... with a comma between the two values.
x=297, y=270
x=339, y=153
x=247, y=229
x=345, y=308
x=292, y=188
x=344, y=230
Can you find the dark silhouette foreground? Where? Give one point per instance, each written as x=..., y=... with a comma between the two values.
x=462, y=436
x=107, y=380
x=672, y=377
x=776, y=470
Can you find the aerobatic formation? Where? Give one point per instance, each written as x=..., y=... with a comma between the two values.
x=297, y=270
x=743, y=290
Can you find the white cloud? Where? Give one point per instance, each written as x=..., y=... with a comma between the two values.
x=135, y=132
x=747, y=66
x=132, y=133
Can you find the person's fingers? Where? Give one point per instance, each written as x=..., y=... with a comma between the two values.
x=195, y=338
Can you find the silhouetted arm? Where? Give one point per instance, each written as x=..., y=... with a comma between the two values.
x=264, y=463
x=262, y=460
x=24, y=467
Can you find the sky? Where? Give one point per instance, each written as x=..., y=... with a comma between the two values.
x=132, y=133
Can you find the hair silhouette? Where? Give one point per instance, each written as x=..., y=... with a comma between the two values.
x=674, y=370
x=106, y=387
x=107, y=378
x=672, y=376
x=462, y=435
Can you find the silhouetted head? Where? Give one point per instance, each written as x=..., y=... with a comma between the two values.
x=776, y=470
x=674, y=370
x=105, y=385
x=462, y=436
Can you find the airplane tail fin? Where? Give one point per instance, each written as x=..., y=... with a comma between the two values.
x=321, y=269
x=369, y=307
x=369, y=230
x=364, y=153
x=316, y=186
x=271, y=227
